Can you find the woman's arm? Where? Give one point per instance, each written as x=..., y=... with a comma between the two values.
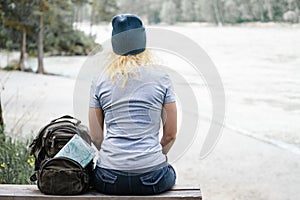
x=96, y=120
x=169, y=118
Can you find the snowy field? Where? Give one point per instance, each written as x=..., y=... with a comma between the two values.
x=258, y=155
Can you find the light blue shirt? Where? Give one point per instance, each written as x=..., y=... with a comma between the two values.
x=132, y=117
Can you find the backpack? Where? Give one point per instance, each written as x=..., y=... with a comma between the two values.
x=59, y=175
x=63, y=176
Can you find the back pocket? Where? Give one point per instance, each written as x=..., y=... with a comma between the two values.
x=154, y=182
x=159, y=180
x=153, y=178
x=106, y=176
x=105, y=181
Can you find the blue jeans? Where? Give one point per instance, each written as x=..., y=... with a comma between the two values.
x=123, y=183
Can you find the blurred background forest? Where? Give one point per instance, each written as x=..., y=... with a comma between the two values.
x=35, y=26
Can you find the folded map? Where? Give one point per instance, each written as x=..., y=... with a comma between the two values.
x=79, y=150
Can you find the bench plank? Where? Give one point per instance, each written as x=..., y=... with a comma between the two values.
x=28, y=192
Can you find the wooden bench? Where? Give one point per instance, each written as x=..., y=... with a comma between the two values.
x=31, y=192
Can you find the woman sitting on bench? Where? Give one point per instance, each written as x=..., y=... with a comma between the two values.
x=133, y=96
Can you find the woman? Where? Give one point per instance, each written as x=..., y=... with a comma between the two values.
x=133, y=97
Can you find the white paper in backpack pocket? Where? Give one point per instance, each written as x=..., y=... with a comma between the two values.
x=79, y=150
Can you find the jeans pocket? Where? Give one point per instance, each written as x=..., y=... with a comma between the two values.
x=107, y=176
x=105, y=181
x=159, y=180
x=152, y=178
x=152, y=181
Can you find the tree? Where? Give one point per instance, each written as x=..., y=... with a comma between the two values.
x=78, y=7
x=188, y=13
x=49, y=28
x=43, y=6
x=134, y=6
x=257, y=10
x=198, y=12
x=290, y=16
x=92, y=19
x=168, y=12
x=2, y=83
x=208, y=10
x=105, y=10
x=148, y=10
x=59, y=36
x=216, y=7
x=245, y=12
x=269, y=9
x=153, y=10
x=232, y=13
x=18, y=15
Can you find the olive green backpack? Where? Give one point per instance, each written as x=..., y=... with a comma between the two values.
x=60, y=175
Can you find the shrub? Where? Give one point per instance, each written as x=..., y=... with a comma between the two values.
x=16, y=165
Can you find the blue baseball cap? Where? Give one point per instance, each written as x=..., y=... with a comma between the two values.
x=128, y=35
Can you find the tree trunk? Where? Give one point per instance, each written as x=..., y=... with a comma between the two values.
x=1, y=115
x=261, y=5
x=21, y=64
x=270, y=13
x=7, y=57
x=79, y=16
x=297, y=11
x=92, y=17
x=217, y=12
x=40, y=68
x=76, y=18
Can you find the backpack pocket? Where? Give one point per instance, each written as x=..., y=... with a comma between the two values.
x=62, y=176
x=57, y=139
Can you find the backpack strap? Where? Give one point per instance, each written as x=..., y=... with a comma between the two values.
x=77, y=121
